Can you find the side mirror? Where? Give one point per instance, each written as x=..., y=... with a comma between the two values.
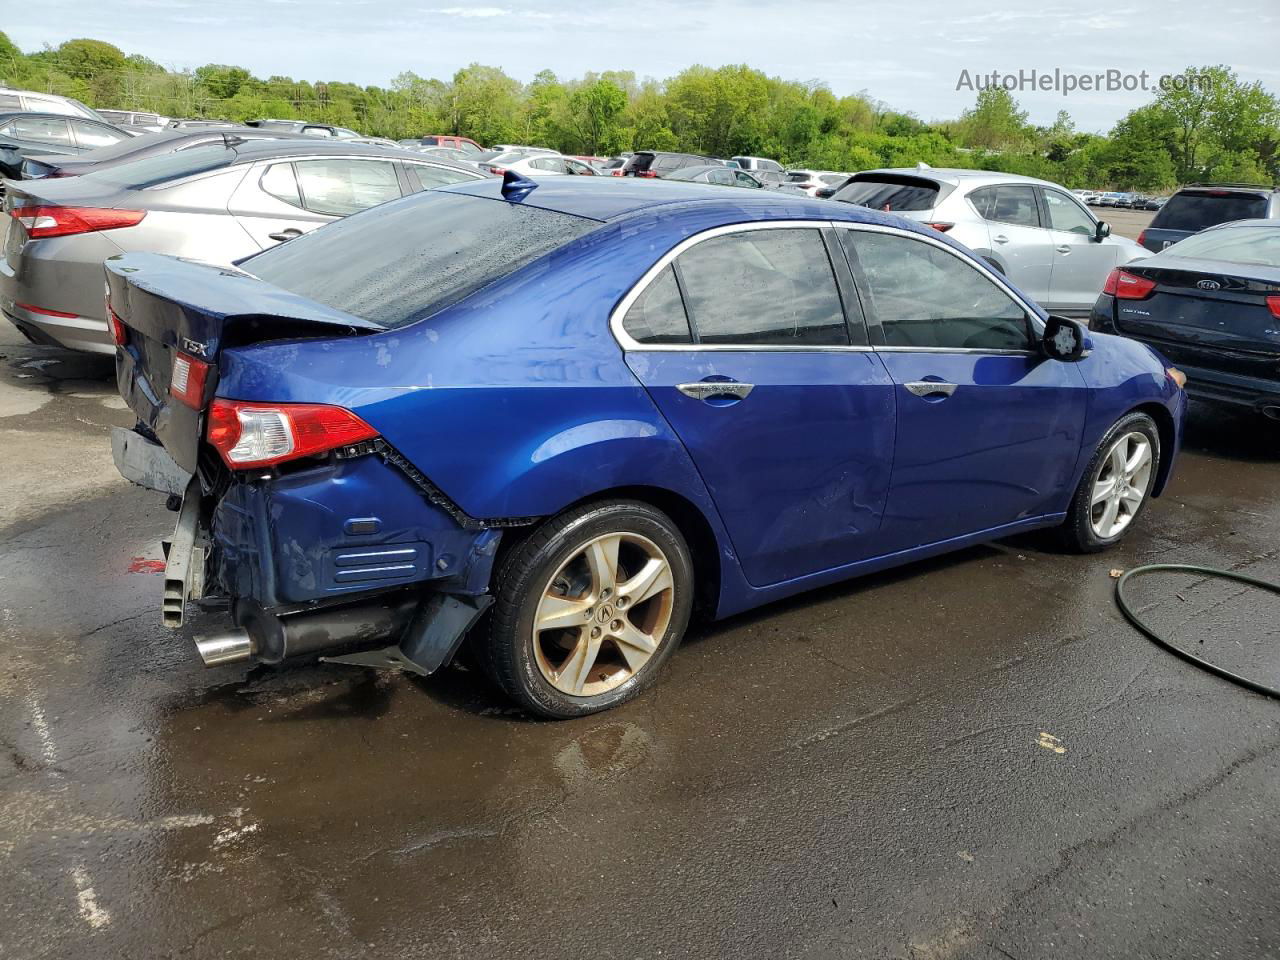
x=1063, y=339
x=1101, y=231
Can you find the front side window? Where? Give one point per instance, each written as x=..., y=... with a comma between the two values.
x=658, y=316
x=766, y=287
x=1007, y=204
x=91, y=135
x=430, y=176
x=745, y=180
x=338, y=188
x=1065, y=214
x=925, y=296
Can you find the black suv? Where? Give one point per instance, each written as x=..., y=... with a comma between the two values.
x=1202, y=205
x=656, y=163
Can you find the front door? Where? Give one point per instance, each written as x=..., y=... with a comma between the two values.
x=787, y=414
x=989, y=430
x=1080, y=262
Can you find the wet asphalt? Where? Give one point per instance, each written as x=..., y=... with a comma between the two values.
x=969, y=757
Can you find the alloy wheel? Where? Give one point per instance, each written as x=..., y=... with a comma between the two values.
x=603, y=614
x=1120, y=484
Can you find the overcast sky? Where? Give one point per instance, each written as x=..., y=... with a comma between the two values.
x=907, y=54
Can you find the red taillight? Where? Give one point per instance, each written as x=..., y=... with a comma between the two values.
x=1273, y=304
x=1127, y=286
x=940, y=227
x=1142, y=239
x=646, y=173
x=498, y=171
x=45, y=310
x=45, y=221
x=119, y=336
x=187, y=378
x=259, y=435
x=618, y=172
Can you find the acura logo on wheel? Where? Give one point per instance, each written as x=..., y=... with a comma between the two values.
x=1209, y=285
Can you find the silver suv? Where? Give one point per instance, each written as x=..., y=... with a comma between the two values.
x=1035, y=232
x=33, y=102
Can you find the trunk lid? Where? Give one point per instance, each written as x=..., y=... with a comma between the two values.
x=1206, y=313
x=171, y=308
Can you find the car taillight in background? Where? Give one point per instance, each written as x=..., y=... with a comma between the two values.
x=1142, y=239
x=1128, y=286
x=187, y=378
x=939, y=225
x=46, y=220
x=261, y=435
x=1273, y=304
x=497, y=171
x=617, y=172
x=646, y=173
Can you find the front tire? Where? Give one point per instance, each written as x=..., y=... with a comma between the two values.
x=1115, y=487
x=588, y=609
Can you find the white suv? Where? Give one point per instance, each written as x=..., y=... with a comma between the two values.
x=44, y=103
x=1035, y=232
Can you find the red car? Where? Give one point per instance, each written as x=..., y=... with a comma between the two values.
x=465, y=144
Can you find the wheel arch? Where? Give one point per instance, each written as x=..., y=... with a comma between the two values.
x=1168, y=441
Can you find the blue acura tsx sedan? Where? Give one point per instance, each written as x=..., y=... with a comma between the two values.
x=551, y=420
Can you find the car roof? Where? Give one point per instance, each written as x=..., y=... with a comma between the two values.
x=7, y=114
x=957, y=176
x=1272, y=222
x=307, y=146
x=614, y=198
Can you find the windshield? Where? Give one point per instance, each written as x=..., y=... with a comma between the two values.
x=416, y=255
x=150, y=171
x=1253, y=245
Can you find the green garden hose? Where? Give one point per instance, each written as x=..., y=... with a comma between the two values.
x=1123, y=603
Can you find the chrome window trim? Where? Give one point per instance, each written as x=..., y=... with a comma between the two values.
x=629, y=343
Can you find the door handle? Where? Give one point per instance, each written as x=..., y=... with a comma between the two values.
x=930, y=388
x=284, y=235
x=1000, y=238
x=730, y=390
x=1065, y=248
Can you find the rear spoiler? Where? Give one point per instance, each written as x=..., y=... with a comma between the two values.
x=145, y=289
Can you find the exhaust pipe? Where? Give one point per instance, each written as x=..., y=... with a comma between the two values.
x=223, y=648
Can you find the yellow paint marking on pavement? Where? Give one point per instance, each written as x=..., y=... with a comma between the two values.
x=1050, y=742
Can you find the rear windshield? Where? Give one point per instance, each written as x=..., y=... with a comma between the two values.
x=409, y=257
x=149, y=171
x=641, y=161
x=1259, y=246
x=889, y=193
x=1195, y=210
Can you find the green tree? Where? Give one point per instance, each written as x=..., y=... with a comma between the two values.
x=994, y=122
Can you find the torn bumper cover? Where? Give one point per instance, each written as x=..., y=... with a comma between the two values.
x=310, y=569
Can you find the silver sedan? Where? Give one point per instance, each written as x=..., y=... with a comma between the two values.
x=216, y=203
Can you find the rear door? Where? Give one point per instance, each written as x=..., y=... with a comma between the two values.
x=282, y=199
x=743, y=343
x=1080, y=262
x=988, y=428
x=1018, y=237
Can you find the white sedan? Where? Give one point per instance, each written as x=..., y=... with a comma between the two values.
x=539, y=165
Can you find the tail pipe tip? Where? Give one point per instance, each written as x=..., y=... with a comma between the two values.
x=230, y=647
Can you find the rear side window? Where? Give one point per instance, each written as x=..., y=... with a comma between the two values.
x=1196, y=209
x=91, y=135
x=39, y=130
x=1007, y=204
x=658, y=314
x=10, y=101
x=338, y=188
x=924, y=296
x=430, y=176
x=766, y=287
x=892, y=194
x=415, y=256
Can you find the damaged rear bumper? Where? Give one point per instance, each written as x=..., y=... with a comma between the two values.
x=345, y=559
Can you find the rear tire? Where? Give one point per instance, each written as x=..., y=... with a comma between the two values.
x=1115, y=487
x=588, y=608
